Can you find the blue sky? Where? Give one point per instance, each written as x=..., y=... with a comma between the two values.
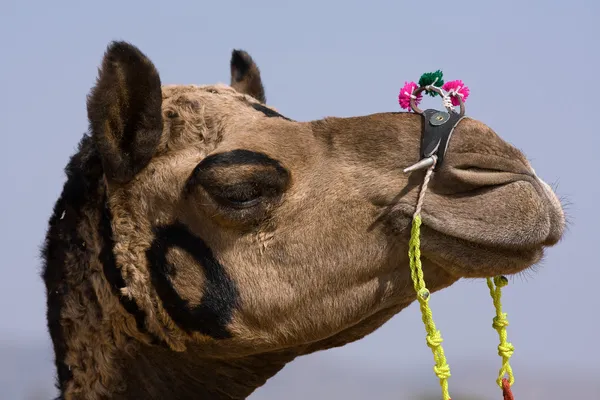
x=531, y=67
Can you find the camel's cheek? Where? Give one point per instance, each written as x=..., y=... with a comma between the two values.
x=293, y=299
x=284, y=316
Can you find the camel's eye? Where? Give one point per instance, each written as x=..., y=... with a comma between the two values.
x=240, y=179
x=238, y=195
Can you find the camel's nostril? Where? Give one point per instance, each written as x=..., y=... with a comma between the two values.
x=479, y=169
x=468, y=178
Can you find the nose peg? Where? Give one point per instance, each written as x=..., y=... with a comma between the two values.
x=422, y=164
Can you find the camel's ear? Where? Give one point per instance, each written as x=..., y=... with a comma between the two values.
x=245, y=75
x=124, y=111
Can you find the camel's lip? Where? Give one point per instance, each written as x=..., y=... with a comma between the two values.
x=472, y=242
x=472, y=172
x=463, y=258
x=467, y=264
x=510, y=211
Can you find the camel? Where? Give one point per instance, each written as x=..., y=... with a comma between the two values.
x=203, y=240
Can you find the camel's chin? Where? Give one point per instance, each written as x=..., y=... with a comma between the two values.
x=515, y=265
x=464, y=259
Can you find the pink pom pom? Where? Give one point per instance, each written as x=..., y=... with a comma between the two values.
x=457, y=87
x=406, y=92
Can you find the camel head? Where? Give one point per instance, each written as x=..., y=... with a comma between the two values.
x=238, y=231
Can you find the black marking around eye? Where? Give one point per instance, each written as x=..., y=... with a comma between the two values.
x=267, y=111
x=220, y=294
x=236, y=157
x=241, y=157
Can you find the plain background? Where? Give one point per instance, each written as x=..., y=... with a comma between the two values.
x=532, y=67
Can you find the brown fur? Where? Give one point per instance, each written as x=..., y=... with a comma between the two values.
x=320, y=260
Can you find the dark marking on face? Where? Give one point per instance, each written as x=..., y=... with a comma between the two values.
x=114, y=277
x=265, y=179
x=240, y=157
x=268, y=112
x=220, y=295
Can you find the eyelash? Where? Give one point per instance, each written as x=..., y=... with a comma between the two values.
x=245, y=191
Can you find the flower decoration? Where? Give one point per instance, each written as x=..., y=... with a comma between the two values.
x=432, y=78
x=406, y=93
x=448, y=90
x=456, y=87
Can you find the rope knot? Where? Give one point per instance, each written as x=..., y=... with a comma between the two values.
x=434, y=340
x=500, y=321
x=500, y=281
x=506, y=350
x=442, y=371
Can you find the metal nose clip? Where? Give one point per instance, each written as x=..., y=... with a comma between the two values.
x=423, y=164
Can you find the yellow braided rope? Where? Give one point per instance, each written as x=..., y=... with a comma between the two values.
x=505, y=348
x=434, y=336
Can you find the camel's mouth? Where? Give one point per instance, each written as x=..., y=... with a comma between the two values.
x=466, y=259
x=498, y=229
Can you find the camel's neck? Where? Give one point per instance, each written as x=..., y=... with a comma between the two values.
x=158, y=373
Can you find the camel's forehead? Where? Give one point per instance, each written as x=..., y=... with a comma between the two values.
x=174, y=90
x=206, y=115
x=218, y=96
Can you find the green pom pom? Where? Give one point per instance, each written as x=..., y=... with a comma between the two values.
x=432, y=78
